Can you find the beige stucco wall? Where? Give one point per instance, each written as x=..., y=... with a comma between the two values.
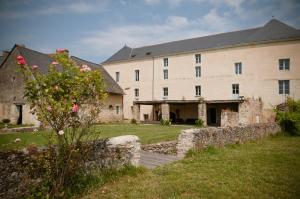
x=259, y=78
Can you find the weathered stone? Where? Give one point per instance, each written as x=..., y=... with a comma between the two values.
x=161, y=147
x=220, y=136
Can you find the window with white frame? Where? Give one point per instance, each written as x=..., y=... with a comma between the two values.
x=235, y=89
x=198, y=58
x=284, y=64
x=198, y=71
x=136, y=92
x=198, y=90
x=166, y=62
x=117, y=76
x=165, y=91
x=137, y=75
x=166, y=75
x=284, y=86
x=238, y=68
x=117, y=109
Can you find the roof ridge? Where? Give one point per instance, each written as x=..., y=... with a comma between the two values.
x=199, y=37
x=72, y=56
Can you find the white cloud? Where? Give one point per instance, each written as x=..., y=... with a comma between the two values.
x=108, y=41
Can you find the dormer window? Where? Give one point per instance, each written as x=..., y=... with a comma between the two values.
x=148, y=53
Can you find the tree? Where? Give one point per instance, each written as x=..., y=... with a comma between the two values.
x=67, y=98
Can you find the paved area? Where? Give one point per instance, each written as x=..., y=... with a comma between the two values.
x=152, y=160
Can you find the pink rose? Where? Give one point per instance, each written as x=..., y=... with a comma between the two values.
x=34, y=67
x=75, y=108
x=54, y=63
x=21, y=60
x=60, y=50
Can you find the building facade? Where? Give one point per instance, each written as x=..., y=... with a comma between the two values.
x=224, y=79
x=13, y=105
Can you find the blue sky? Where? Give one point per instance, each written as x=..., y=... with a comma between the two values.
x=95, y=29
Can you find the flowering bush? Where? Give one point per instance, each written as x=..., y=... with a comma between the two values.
x=67, y=98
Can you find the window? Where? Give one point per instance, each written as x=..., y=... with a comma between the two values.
x=136, y=92
x=198, y=90
x=235, y=89
x=284, y=86
x=284, y=64
x=117, y=76
x=166, y=62
x=198, y=58
x=238, y=68
x=198, y=71
x=137, y=75
x=165, y=74
x=166, y=92
x=117, y=109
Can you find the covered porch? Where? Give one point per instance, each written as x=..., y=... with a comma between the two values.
x=213, y=113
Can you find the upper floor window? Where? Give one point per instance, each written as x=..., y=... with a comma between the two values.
x=198, y=58
x=198, y=71
x=284, y=64
x=117, y=76
x=198, y=90
x=166, y=74
x=137, y=75
x=165, y=91
x=284, y=86
x=238, y=68
x=166, y=62
x=136, y=92
x=235, y=89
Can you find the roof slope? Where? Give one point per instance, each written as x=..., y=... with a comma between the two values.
x=1, y=59
x=111, y=85
x=274, y=30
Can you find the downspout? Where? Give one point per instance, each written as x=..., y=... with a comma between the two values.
x=153, y=110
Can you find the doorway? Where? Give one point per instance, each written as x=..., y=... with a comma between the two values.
x=20, y=114
x=212, y=114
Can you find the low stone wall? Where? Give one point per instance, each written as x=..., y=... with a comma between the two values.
x=220, y=136
x=112, y=153
x=162, y=147
x=18, y=129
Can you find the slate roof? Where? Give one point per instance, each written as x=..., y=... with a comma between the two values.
x=111, y=85
x=1, y=59
x=274, y=30
x=43, y=60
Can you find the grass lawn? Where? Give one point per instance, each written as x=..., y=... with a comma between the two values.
x=147, y=134
x=268, y=168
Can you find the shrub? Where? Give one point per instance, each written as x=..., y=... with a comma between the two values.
x=199, y=123
x=165, y=122
x=133, y=121
x=6, y=121
x=289, y=118
x=68, y=98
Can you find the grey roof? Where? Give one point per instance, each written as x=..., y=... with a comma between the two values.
x=42, y=60
x=1, y=59
x=274, y=30
x=111, y=85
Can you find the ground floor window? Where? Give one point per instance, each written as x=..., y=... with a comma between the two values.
x=198, y=90
x=166, y=91
x=117, y=109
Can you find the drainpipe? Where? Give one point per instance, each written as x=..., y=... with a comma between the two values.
x=152, y=78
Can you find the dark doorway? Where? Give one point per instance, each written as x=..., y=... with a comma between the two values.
x=20, y=112
x=172, y=117
x=212, y=115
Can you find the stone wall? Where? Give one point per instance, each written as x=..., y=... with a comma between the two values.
x=161, y=147
x=220, y=136
x=229, y=118
x=111, y=153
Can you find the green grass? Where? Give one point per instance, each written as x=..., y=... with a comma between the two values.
x=147, y=134
x=269, y=168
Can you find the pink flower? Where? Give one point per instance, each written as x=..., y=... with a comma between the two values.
x=49, y=108
x=21, y=60
x=85, y=68
x=60, y=50
x=75, y=108
x=54, y=63
x=35, y=67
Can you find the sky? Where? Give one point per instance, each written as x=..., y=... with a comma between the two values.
x=96, y=29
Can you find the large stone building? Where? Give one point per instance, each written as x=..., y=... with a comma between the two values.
x=224, y=79
x=12, y=103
